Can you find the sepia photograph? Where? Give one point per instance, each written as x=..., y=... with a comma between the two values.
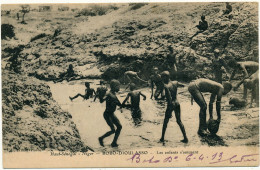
x=151, y=84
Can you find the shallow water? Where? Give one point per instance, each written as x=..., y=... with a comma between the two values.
x=88, y=115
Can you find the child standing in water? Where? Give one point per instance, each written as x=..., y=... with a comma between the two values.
x=172, y=105
x=135, y=103
x=109, y=114
x=101, y=91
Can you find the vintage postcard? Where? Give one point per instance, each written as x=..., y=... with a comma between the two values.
x=171, y=84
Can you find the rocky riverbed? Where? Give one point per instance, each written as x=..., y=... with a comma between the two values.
x=33, y=120
x=103, y=42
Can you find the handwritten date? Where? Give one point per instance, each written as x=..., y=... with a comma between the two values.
x=212, y=159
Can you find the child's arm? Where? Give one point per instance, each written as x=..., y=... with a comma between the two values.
x=118, y=103
x=104, y=98
x=144, y=96
x=96, y=94
x=212, y=99
x=127, y=97
x=128, y=85
x=239, y=84
x=191, y=99
x=232, y=74
x=152, y=88
x=245, y=71
x=253, y=95
x=218, y=104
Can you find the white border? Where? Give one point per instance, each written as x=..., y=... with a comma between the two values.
x=111, y=1
x=115, y=1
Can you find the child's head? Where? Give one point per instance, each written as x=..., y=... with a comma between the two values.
x=165, y=75
x=87, y=84
x=132, y=86
x=115, y=85
x=227, y=87
x=70, y=66
x=202, y=17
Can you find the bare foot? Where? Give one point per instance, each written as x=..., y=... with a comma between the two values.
x=202, y=133
x=161, y=140
x=114, y=144
x=185, y=140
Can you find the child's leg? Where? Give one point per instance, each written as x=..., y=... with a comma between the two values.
x=159, y=91
x=136, y=115
x=71, y=98
x=168, y=115
x=165, y=123
x=173, y=72
x=162, y=94
x=199, y=99
x=125, y=79
x=253, y=96
x=156, y=93
x=118, y=130
x=254, y=93
x=110, y=124
x=177, y=111
x=245, y=91
x=129, y=79
x=257, y=93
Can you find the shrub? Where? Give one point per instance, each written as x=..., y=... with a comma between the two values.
x=7, y=30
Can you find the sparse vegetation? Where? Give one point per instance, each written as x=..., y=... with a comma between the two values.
x=135, y=6
x=25, y=9
x=96, y=10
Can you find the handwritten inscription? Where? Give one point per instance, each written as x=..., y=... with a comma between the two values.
x=217, y=157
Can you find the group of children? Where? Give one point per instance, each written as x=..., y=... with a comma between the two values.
x=167, y=89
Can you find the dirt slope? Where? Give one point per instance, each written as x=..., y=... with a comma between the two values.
x=112, y=43
x=32, y=120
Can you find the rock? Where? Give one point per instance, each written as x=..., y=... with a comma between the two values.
x=31, y=118
x=236, y=102
x=30, y=57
